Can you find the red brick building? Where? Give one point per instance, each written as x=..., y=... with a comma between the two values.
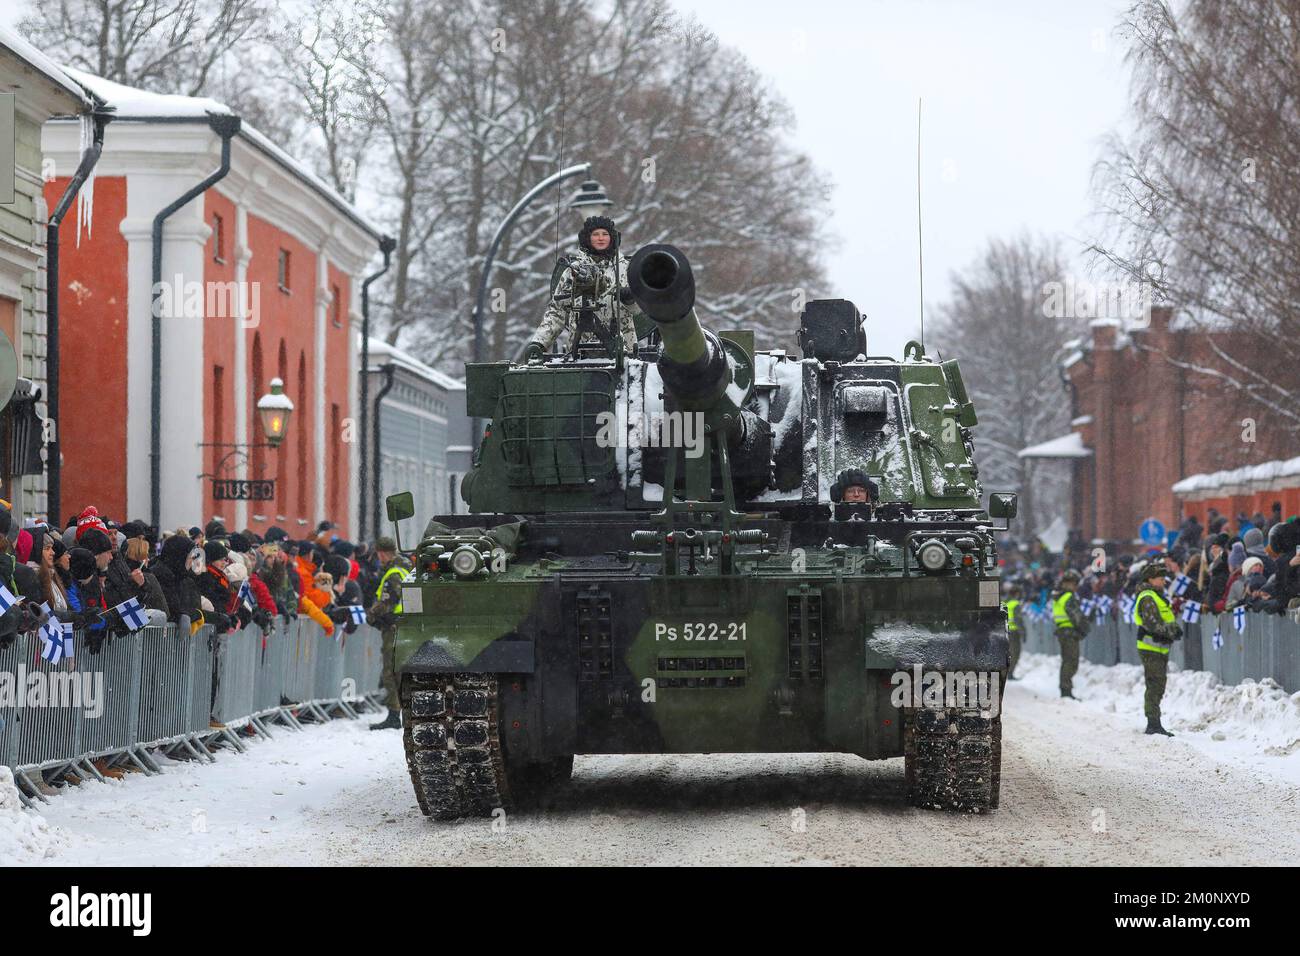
x=1145, y=419
x=261, y=278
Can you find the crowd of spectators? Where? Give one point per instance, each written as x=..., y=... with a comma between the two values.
x=1252, y=561
x=190, y=576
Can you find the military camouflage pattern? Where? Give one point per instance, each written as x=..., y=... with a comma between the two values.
x=382, y=615
x=624, y=596
x=1155, y=668
x=560, y=317
x=1155, y=625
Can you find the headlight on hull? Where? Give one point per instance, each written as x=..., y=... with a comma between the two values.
x=933, y=555
x=466, y=561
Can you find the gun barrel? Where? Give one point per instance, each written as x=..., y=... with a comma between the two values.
x=692, y=364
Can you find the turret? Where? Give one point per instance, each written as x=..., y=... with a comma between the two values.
x=693, y=363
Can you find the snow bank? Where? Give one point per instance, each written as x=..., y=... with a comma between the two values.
x=1255, y=722
x=25, y=837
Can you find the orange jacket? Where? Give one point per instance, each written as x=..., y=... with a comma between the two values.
x=313, y=598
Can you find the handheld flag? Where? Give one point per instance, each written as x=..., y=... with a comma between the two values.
x=1126, y=605
x=1086, y=606
x=132, y=614
x=1239, y=618
x=246, y=595
x=7, y=599
x=51, y=649
x=1192, y=612
x=358, y=613
x=1181, y=584
x=1217, y=640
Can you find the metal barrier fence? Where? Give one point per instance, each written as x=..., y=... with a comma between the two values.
x=1268, y=647
x=167, y=689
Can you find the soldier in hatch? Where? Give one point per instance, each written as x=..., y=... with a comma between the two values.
x=596, y=275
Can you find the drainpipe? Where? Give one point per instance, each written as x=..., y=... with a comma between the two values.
x=386, y=245
x=227, y=127
x=54, y=467
x=387, y=372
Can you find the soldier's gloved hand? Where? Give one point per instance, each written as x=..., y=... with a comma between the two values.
x=533, y=353
x=625, y=295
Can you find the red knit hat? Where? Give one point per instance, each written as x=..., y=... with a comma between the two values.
x=90, y=519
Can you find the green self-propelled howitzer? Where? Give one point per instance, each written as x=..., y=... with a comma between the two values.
x=704, y=548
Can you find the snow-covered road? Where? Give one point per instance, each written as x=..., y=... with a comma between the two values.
x=1081, y=785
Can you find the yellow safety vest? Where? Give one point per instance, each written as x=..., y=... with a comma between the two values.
x=1166, y=615
x=379, y=592
x=1011, y=614
x=1059, y=617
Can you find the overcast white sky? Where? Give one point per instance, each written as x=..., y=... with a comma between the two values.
x=1017, y=96
x=1017, y=93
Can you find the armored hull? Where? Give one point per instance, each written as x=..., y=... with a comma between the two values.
x=745, y=610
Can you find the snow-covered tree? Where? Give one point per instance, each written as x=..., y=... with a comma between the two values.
x=999, y=326
x=1201, y=201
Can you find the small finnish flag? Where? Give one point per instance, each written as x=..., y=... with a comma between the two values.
x=358, y=613
x=1192, y=612
x=1217, y=640
x=51, y=647
x=1086, y=606
x=246, y=594
x=7, y=599
x=132, y=614
x=1181, y=584
x=1126, y=604
x=1105, y=603
x=1239, y=618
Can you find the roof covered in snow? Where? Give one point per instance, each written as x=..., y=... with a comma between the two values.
x=43, y=64
x=1067, y=446
x=381, y=354
x=1287, y=470
x=131, y=104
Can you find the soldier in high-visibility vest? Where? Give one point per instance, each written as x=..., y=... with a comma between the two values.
x=383, y=615
x=1071, y=627
x=1157, y=629
x=1014, y=631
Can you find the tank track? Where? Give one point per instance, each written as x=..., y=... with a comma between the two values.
x=454, y=754
x=453, y=748
x=953, y=759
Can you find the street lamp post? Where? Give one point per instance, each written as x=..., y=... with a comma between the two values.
x=563, y=174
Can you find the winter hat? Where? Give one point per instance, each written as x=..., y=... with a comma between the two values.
x=94, y=540
x=338, y=566
x=175, y=553
x=238, y=543
x=23, y=546
x=1250, y=566
x=236, y=572
x=1236, y=556
x=276, y=534
x=214, y=529
x=593, y=223
x=89, y=519
x=59, y=547
x=6, y=518
x=344, y=548
x=82, y=564
x=195, y=531
x=214, y=551
x=1282, y=538
x=1253, y=538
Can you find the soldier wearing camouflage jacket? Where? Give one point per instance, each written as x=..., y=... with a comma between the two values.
x=1071, y=626
x=598, y=272
x=383, y=614
x=1158, y=628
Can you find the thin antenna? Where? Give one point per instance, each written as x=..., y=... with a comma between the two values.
x=920, y=254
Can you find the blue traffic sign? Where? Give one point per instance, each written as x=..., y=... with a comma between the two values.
x=1152, y=532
